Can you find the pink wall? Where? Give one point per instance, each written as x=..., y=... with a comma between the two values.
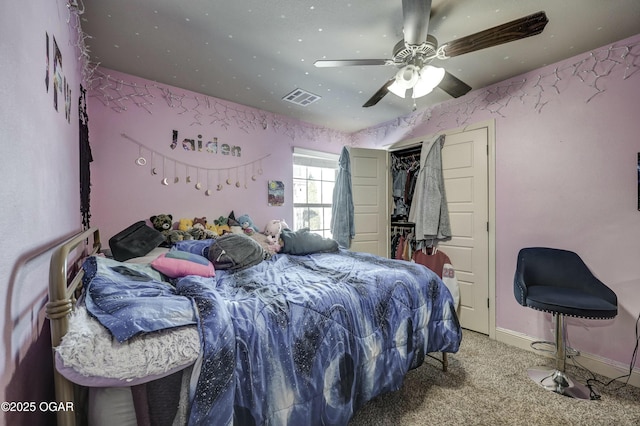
x=569, y=180
x=124, y=192
x=565, y=177
x=39, y=195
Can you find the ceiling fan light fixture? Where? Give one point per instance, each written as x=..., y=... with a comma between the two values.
x=405, y=79
x=430, y=77
x=397, y=90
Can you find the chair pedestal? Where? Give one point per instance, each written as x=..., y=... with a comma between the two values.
x=555, y=379
x=559, y=382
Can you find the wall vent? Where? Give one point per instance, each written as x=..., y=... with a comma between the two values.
x=301, y=97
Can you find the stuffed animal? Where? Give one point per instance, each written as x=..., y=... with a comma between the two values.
x=199, y=229
x=222, y=225
x=234, y=225
x=236, y=229
x=268, y=242
x=213, y=228
x=247, y=224
x=200, y=220
x=185, y=224
x=274, y=228
x=164, y=224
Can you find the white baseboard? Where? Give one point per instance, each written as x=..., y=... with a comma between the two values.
x=603, y=366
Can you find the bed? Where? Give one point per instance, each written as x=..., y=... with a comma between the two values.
x=293, y=339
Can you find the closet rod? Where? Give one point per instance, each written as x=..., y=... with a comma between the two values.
x=403, y=224
x=408, y=152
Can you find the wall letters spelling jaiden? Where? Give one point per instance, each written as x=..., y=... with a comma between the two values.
x=210, y=147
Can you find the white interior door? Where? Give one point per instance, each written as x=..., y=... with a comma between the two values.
x=369, y=180
x=465, y=169
x=465, y=162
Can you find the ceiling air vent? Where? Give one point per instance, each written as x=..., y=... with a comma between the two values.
x=301, y=97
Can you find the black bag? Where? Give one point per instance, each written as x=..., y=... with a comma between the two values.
x=135, y=241
x=235, y=252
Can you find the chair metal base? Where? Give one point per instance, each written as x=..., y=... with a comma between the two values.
x=559, y=382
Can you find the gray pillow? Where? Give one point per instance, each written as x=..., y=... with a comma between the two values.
x=235, y=252
x=304, y=242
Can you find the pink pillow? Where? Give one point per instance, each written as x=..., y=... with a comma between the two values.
x=183, y=265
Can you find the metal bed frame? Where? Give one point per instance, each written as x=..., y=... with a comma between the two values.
x=65, y=279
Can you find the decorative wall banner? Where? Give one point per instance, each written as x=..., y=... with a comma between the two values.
x=207, y=178
x=210, y=147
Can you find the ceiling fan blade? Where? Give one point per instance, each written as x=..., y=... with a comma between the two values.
x=379, y=94
x=511, y=31
x=415, y=15
x=453, y=85
x=351, y=62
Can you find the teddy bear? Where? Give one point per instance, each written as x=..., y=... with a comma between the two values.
x=185, y=224
x=247, y=225
x=164, y=224
x=197, y=228
x=200, y=224
x=274, y=228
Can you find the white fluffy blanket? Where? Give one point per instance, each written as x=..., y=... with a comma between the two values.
x=90, y=350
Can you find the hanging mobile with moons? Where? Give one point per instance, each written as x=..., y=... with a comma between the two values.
x=208, y=191
x=140, y=161
x=219, y=187
x=165, y=181
x=198, y=184
x=153, y=167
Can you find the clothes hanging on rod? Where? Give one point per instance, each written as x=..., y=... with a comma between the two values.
x=438, y=261
x=404, y=172
x=402, y=241
x=418, y=189
x=405, y=160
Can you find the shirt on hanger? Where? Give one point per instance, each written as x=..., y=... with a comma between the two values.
x=436, y=260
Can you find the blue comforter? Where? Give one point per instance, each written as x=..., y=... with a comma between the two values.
x=306, y=339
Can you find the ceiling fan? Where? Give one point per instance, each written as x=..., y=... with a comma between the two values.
x=414, y=54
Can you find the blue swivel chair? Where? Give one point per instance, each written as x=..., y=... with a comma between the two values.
x=558, y=281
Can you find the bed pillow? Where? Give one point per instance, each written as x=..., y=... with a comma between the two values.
x=303, y=242
x=200, y=247
x=235, y=252
x=176, y=264
x=149, y=257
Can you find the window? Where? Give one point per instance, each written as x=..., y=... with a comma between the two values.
x=314, y=176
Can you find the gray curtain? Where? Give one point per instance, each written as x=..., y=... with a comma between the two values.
x=342, y=226
x=429, y=209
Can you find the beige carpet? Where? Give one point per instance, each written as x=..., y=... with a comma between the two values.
x=487, y=384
